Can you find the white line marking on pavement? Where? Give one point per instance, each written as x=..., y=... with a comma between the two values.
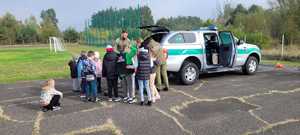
x=36, y=125
x=175, y=120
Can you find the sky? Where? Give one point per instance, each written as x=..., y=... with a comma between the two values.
x=73, y=13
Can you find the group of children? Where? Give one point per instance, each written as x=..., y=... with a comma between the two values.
x=133, y=65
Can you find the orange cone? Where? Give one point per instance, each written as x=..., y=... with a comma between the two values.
x=279, y=66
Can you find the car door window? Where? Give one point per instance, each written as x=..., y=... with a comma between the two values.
x=189, y=37
x=183, y=38
x=177, y=38
x=226, y=39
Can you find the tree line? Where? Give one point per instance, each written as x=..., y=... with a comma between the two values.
x=264, y=26
x=255, y=24
x=13, y=31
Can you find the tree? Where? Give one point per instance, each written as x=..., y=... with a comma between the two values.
x=49, y=25
x=28, y=32
x=240, y=9
x=48, y=29
x=181, y=23
x=289, y=12
x=255, y=8
x=224, y=14
x=71, y=35
x=49, y=14
x=8, y=26
x=147, y=18
x=163, y=22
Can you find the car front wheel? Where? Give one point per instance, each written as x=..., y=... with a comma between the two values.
x=251, y=66
x=189, y=73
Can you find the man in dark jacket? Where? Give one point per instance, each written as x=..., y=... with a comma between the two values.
x=109, y=71
x=143, y=74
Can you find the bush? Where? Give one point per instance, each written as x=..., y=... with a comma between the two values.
x=257, y=38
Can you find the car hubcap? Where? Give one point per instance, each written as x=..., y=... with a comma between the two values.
x=190, y=74
x=252, y=66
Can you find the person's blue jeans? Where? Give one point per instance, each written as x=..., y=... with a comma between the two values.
x=83, y=86
x=91, y=89
x=144, y=84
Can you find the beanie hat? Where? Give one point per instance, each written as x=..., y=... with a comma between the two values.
x=109, y=48
x=143, y=50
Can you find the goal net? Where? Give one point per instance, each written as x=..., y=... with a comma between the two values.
x=56, y=44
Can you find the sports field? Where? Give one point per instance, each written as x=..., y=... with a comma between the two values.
x=37, y=63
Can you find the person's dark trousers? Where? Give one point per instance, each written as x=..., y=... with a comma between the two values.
x=112, y=85
x=136, y=83
x=91, y=89
x=99, y=85
x=54, y=102
x=83, y=86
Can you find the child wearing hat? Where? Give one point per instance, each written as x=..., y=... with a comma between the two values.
x=109, y=71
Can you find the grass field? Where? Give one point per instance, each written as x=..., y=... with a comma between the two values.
x=291, y=53
x=285, y=63
x=36, y=63
x=291, y=56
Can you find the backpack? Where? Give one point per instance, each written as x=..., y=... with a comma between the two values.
x=88, y=70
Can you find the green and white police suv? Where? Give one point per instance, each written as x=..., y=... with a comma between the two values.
x=206, y=50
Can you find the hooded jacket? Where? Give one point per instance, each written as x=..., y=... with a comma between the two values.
x=109, y=69
x=80, y=65
x=73, y=68
x=129, y=55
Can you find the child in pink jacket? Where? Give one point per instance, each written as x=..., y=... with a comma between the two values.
x=98, y=64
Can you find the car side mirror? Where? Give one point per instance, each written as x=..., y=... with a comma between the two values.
x=240, y=42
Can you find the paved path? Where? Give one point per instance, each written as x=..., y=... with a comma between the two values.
x=267, y=103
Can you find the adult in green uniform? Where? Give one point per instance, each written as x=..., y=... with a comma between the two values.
x=162, y=82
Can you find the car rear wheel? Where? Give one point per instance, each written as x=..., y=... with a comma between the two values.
x=189, y=73
x=251, y=66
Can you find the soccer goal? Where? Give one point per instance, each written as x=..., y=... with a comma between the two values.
x=56, y=44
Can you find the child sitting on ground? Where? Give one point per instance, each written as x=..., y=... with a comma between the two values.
x=50, y=97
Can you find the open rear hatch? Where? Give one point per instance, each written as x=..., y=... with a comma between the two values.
x=156, y=29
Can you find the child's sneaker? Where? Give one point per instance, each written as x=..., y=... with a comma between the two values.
x=82, y=96
x=44, y=109
x=142, y=103
x=157, y=97
x=56, y=108
x=98, y=100
x=95, y=100
x=117, y=99
x=110, y=99
x=126, y=99
x=149, y=103
x=133, y=100
x=153, y=99
x=89, y=99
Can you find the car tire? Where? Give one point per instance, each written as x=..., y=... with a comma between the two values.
x=250, y=66
x=188, y=73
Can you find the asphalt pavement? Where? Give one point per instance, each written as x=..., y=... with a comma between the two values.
x=267, y=103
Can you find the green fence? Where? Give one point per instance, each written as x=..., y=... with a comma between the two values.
x=105, y=26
